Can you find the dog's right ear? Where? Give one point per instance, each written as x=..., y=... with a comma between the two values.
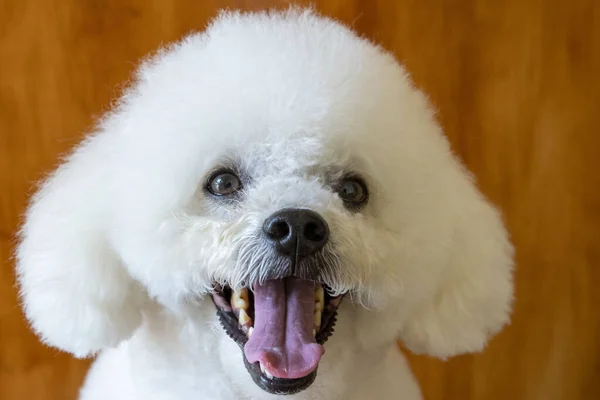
x=74, y=290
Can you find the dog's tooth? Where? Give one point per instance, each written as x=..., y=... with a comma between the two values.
x=314, y=332
x=319, y=306
x=319, y=294
x=239, y=299
x=264, y=371
x=319, y=298
x=250, y=331
x=317, y=319
x=244, y=319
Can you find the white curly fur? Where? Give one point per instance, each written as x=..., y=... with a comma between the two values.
x=120, y=244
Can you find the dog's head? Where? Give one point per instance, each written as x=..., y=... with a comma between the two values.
x=276, y=162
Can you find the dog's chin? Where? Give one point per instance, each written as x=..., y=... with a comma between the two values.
x=280, y=326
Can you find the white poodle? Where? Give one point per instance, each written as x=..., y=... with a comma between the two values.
x=258, y=184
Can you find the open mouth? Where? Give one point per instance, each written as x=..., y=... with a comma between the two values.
x=281, y=327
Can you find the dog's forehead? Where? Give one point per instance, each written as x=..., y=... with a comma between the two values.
x=290, y=154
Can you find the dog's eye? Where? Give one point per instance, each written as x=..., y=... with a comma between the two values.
x=224, y=184
x=353, y=191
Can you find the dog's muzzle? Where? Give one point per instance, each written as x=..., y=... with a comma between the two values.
x=281, y=323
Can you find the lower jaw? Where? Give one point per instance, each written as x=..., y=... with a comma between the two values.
x=273, y=385
x=278, y=386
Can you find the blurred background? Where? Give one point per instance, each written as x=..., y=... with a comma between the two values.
x=517, y=88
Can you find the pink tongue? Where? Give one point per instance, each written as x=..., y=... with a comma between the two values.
x=283, y=339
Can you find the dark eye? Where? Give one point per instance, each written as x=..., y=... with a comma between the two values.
x=224, y=184
x=353, y=191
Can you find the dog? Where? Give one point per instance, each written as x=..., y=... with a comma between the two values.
x=268, y=209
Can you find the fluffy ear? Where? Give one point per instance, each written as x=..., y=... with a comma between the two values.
x=474, y=299
x=74, y=290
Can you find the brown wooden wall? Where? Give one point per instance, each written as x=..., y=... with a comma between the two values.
x=517, y=87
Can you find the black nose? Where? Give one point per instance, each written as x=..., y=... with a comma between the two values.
x=296, y=231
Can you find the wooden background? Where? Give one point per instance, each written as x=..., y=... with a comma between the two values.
x=516, y=83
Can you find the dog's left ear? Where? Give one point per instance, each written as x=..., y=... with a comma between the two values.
x=474, y=299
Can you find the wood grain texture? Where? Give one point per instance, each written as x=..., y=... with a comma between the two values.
x=517, y=89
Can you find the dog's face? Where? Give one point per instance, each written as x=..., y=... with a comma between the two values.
x=276, y=163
